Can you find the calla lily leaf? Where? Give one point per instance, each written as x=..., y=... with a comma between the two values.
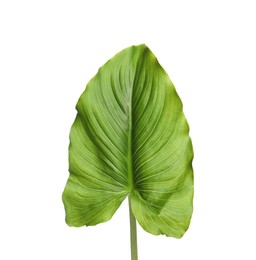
x=131, y=138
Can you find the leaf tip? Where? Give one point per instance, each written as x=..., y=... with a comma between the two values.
x=141, y=46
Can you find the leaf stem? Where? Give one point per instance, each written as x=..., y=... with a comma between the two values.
x=133, y=234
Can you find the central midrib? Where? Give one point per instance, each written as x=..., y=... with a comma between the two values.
x=137, y=71
x=130, y=137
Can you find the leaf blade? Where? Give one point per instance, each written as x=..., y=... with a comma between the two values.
x=131, y=137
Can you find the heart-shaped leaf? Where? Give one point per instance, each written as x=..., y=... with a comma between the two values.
x=130, y=138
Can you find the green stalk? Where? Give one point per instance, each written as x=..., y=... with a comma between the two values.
x=133, y=234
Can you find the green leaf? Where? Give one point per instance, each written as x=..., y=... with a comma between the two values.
x=130, y=138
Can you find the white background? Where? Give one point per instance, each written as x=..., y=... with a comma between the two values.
x=49, y=50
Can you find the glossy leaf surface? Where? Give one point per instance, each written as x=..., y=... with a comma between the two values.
x=130, y=138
